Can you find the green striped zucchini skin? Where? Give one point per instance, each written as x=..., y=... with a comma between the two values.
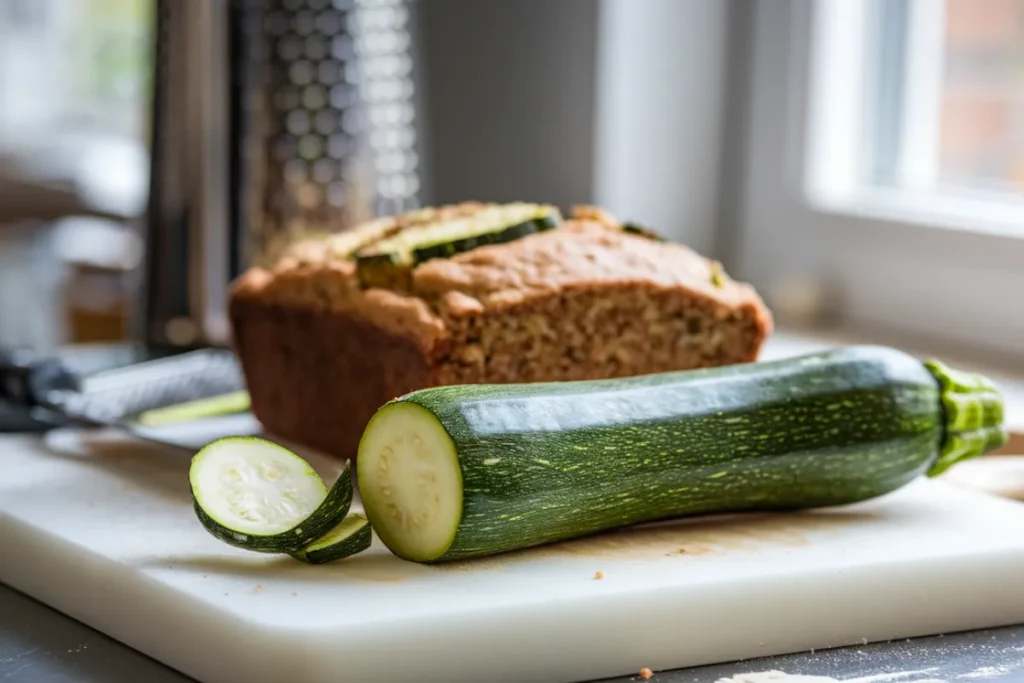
x=547, y=462
x=359, y=538
x=507, y=234
x=327, y=515
x=634, y=229
x=389, y=263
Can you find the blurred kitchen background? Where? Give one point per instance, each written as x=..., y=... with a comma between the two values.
x=860, y=161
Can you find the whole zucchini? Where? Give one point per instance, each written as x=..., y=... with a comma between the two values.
x=460, y=471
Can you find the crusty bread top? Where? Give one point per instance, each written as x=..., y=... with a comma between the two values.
x=581, y=254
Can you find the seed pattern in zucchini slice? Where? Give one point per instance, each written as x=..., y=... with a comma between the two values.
x=257, y=495
x=349, y=537
x=388, y=263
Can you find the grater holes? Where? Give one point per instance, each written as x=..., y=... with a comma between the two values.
x=301, y=72
x=317, y=48
x=391, y=162
x=351, y=121
x=352, y=75
x=289, y=49
x=325, y=121
x=314, y=97
x=380, y=18
x=297, y=122
x=333, y=68
x=350, y=172
x=310, y=147
x=305, y=23
x=323, y=171
x=328, y=72
x=338, y=146
x=342, y=48
x=329, y=22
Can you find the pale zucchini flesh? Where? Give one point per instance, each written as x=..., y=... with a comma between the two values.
x=214, y=406
x=254, y=494
x=410, y=481
x=351, y=536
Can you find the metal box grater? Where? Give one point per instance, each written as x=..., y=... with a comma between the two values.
x=272, y=120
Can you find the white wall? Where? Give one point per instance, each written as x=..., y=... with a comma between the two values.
x=661, y=75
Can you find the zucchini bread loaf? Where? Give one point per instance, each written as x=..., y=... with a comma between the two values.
x=475, y=293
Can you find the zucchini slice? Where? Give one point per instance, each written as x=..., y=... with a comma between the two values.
x=213, y=406
x=635, y=229
x=452, y=472
x=389, y=262
x=343, y=244
x=257, y=495
x=351, y=536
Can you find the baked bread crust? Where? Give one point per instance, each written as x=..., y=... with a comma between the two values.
x=585, y=301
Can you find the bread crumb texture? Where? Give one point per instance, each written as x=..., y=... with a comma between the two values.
x=584, y=300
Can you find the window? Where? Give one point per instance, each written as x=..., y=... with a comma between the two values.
x=981, y=101
x=885, y=164
x=918, y=106
x=75, y=83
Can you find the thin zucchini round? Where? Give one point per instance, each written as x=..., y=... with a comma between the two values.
x=635, y=229
x=389, y=263
x=214, y=406
x=460, y=471
x=254, y=494
x=351, y=536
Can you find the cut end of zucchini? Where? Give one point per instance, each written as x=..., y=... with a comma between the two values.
x=410, y=481
x=973, y=411
x=247, y=486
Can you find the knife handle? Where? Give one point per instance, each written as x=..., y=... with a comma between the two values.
x=25, y=383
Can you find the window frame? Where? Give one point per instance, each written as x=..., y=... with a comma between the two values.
x=945, y=268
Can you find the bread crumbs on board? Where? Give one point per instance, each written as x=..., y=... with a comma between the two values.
x=646, y=673
x=598, y=575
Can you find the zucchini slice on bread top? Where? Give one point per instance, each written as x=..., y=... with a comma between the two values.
x=389, y=262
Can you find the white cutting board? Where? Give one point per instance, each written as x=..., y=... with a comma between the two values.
x=100, y=527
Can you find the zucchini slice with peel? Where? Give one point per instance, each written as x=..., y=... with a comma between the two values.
x=199, y=409
x=452, y=472
x=641, y=231
x=389, y=263
x=351, y=536
x=257, y=495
